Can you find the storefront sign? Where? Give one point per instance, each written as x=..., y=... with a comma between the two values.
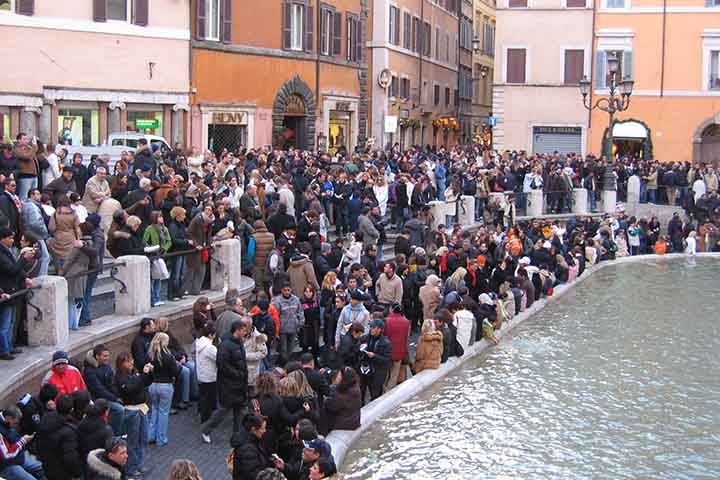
x=146, y=124
x=295, y=105
x=342, y=106
x=391, y=123
x=229, y=118
x=557, y=130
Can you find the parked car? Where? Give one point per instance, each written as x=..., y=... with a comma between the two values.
x=116, y=144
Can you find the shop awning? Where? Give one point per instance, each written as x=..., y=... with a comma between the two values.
x=629, y=130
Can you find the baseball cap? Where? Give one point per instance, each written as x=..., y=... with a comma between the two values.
x=320, y=446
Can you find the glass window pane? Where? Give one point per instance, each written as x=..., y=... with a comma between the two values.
x=117, y=10
x=213, y=19
x=5, y=5
x=78, y=127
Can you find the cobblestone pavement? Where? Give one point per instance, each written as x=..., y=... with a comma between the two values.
x=185, y=442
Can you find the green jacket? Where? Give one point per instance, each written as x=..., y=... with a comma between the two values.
x=152, y=237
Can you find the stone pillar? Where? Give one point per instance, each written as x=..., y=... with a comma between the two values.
x=633, y=190
x=535, y=203
x=115, y=117
x=467, y=217
x=227, y=267
x=29, y=120
x=437, y=208
x=609, y=199
x=580, y=200
x=135, y=274
x=45, y=128
x=178, y=123
x=52, y=327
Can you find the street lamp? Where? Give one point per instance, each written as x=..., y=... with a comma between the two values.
x=618, y=100
x=476, y=44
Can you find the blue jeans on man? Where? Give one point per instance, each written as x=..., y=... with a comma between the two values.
x=90, y=281
x=24, y=185
x=31, y=469
x=7, y=319
x=136, y=427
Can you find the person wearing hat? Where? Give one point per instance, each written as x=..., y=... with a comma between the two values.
x=351, y=313
x=63, y=376
x=97, y=190
x=63, y=186
x=375, y=360
x=397, y=330
x=314, y=451
x=12, y=279
x=139, y=202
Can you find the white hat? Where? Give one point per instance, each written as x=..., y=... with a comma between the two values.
x=485, y=299
x=524, y=261
x=547, y=244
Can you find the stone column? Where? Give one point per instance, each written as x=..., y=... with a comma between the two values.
x=633, y=190
x=135, y=275
x=178, y=123
x=609, y=199
x=467, y=217
x=227, y=267
x=45, y=127
x=51, y=327
x=535, y=203
x=114, y=117
x=439, y=210
x=580, y=200
x=29, y=120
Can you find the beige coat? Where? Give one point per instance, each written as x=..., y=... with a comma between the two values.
x=255, y=351
x=429, y=351
x=431, y=298
x=95, y=192
x=302, y=274
x=64, y=226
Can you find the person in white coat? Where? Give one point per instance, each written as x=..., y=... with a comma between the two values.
x=206, y=368
x=691, y=243
x=54, y=160
x=699, y=188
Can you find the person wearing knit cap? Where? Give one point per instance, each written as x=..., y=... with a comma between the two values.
x=63, y=376
x=375, y=360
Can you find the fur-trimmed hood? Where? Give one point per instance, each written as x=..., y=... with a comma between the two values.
x=99, y=467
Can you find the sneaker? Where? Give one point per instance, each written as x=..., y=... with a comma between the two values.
x=157, y=304
x=206, y=438
x=7, y=356
x=16, y=351
x=173, y=411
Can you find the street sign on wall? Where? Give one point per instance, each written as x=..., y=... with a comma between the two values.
x=143, y=123
x=391, y=122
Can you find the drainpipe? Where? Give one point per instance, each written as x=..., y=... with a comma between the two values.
x=459, y=56
x=662, y=59
x=317, y=68
x=420, y=75
x=593, y=50
x=191, y=95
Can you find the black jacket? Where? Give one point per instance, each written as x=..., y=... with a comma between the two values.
x=58, y=449
x=140, y=347
x=279, y=419
x=12, y=272
x=10, y=211
x=93, y=433
x=178, y=233
x=131, y=387
x=232, y=373
x=382, y=349
x=127, y=242
x=349, y=351
x=99, y=380
x=166, y=370
x=250, y=456
x=318, y=382
x=343, y=408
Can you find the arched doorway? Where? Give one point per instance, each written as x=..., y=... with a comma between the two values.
x=294, y=115
x=709, y=147
x=631, y=138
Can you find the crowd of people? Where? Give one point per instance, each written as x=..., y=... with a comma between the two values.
x=339, y=315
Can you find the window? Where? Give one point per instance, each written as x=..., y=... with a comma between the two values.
x=118, y=10
x=517, y=3
x=296, y=24
x=79, y=126
x=456, y=97
x=394, y=86
x=436, y=95
x=602, y=74
x=714, y=80
x=6, y=5
x=426, y=38
x=712, y=3
x=354, y=38
x=515, y=65
x=447, y=96
x=437, y=43
x=326, y=24
x=405, y=88
x=575, y=3
x=417, y=35
x=407, y=31
x=614, y=3
x=574, y=66
x=394, y=25
x=447, y=47
x=466, y=34
x=489, y=45
x=212, y=19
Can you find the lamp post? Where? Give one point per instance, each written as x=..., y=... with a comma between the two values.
x=618, y=99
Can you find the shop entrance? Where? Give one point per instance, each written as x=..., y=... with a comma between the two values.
x=630, y=139
x=339, y=129
x=226, y=137
x=293, y=135
x=294, y=115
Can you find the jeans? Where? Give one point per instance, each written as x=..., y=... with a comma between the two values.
x=116, y=418
x=7, y=318
x=643, y=192
x=175, y=284
x=479, y=205
x=155, y=287
x=208, y=400
x=217, y=417
x=136, y=427
x=342, y=220
x=44, y=258
x=160, y=399
x=652, y=195
x=288, y=344
x=186, y=383
x=194, y=278
x=87, y=298
x=24, y=185
x=592, y=200
x=29, y=470
x=74, y=312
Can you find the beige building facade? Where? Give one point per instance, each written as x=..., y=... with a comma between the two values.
x=414, y=52
x=484, y=25
x=76, y=70
x=543, y=48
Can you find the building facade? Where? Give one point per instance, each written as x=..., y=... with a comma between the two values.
x=542, y=51
x=483, y=68
x=672, y=51
x=414, y=50
x=76, y=70
x=283, y=73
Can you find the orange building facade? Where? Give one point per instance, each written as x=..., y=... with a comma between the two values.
x=280, y=73
x=672, y=52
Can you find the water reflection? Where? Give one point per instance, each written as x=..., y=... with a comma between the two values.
x=619, y=380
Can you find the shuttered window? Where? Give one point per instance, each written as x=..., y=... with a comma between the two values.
x=574, y=66
x=407, y=31
x=426, y=39
x=24, y=7
x=137, y=11
x=436, y=95
x=394, y=34
x=417, y=35
x=576, y=3
x=447, y=96
x=517, y=3
x=298, y=26
x=516, y=65
x=405, y=88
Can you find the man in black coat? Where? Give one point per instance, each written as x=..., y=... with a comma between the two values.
x=141, y=343
x=9, y=205
x=232, y=380
x=315, y=378
x=12, y=279
x=57, y=442
x=375, y=360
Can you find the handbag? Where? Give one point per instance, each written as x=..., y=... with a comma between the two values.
x=159, y=270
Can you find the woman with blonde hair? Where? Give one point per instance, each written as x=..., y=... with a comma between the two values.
x=430, y=347
x=165, y=369
x=183, y=469
x=298, y=396
x=455, y=281
x=186, y=386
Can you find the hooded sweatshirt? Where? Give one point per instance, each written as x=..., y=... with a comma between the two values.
x=291, y=313
x=206, y=356
x=349, y=315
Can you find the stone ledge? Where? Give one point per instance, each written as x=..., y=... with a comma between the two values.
x=342, y=440
x=34, y=362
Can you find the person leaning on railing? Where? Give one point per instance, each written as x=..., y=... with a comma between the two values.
x=12, y=279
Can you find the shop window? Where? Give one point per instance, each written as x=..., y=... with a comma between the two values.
x=78, y=126
x=5, y=127
x=338, y=130
x=6, y=5
x=145, y=122
x=714, y=80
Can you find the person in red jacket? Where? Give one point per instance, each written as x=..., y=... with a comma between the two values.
x=397, y=329
x=63, y=376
